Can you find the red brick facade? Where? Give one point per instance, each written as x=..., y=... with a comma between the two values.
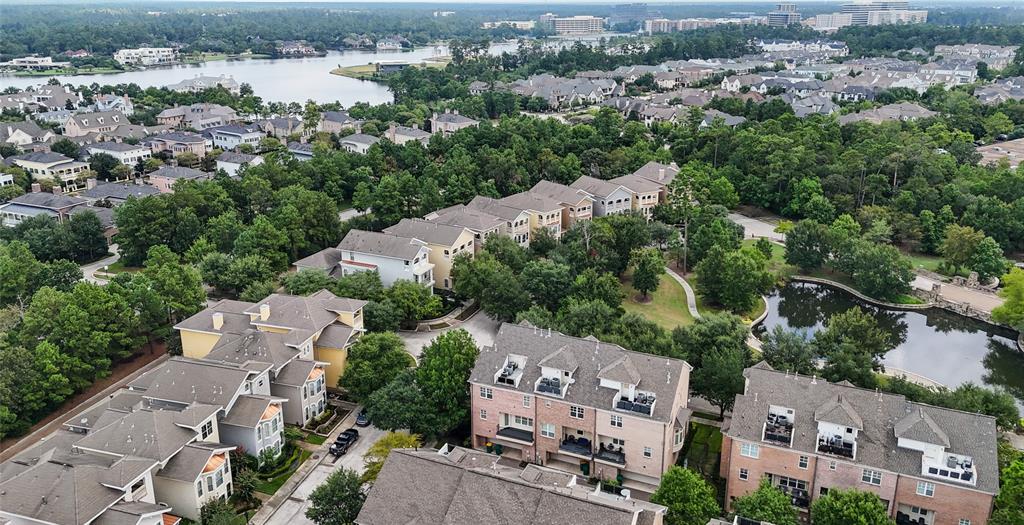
x=949, y=504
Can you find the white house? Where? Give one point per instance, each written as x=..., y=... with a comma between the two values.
x=128, y=154
x=609, y=198
x=394, y=257
x=231, y=136
x=358, y=142
x=232, y=162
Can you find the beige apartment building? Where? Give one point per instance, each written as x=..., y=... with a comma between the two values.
x=319, y=328
x=445, y=243
x=577, y=205
x=579, y=405
x=929, y=465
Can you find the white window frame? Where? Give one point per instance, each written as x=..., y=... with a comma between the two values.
x=526, y=401
x=679, y=437
x=832, y=465
x=648, y=452
x=576, y=412
x=486, y=392
x=744, y=474
x=871, y=477
x=616, y=420
x=483, y=413
x=523, y=420
x=965, y=521
x=803, y=462
x=750, y=450
x=547, y=430
x=926, y=489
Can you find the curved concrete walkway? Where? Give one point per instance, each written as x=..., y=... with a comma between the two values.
x=691, y=298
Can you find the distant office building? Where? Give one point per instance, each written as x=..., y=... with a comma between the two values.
x=572, y=25
x=869, y=13
x=784, y=14
x=146, y=56
x=524, y=25
x=664, y=25
x=629, y=13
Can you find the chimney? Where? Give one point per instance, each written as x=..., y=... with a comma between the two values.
x=57, y=190
x=661, y=173
x=90, y=183
x=36, y=188
x=218, y=320
x=264, y=312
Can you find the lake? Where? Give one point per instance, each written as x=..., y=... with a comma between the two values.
x=276, y=80
x=944, y=347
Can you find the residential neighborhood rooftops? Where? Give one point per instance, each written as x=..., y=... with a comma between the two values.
x=150, y=434
x=119, y=191
x=47, y=200
x=179, y=136
x=218, y=384
x=387, y=245
x=882, y=420
x=453, y=118
x=42, y=157
x=559, y=192
x=232, y=317
x=188, y=464
x=428, y=231
x=248, y=410
x=588, y=361
x=657, y=172
x=475, y=220
x=312, y=313
x=596, y=187
x=460, y=487
x=114, y=146
x=360, y=138
x=252, y=345
x=236, y=158
x=178, y=172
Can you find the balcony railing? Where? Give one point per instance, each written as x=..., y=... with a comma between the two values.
x=577, y=446
x=516, y=434
x=553, y=386
x=610, y=454
x=835, y=447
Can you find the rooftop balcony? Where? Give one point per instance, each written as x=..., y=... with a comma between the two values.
x=509, y=375
x=642, y=403
x=954, y=467
x=553, y=386
x=778, y=429
x=836, y=446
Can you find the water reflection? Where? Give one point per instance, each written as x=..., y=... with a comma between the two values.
x=936, y=344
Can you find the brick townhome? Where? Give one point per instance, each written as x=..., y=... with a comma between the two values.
x=930, y=465
x=580, y=405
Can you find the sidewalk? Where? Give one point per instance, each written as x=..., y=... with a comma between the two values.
x=977, y=299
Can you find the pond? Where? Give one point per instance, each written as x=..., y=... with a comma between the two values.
x=276, y=80
x=939, y=345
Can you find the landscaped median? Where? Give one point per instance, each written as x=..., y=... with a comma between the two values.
x=268, y=482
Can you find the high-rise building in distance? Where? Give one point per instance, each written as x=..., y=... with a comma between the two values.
x=784, y=14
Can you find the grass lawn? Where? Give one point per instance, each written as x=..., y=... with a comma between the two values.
x=314, y=439
x=704, y=307
x=703, y=449
x=363, y=71
x=667, y=306
x=270, y=486
x=119, y=267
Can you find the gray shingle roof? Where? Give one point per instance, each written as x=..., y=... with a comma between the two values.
x=637, y=184
x=454, y=118
x=968, y=434
x=383, y=244
x=129, y=513
x=235, y=158
x=325, y=260
x=840, y=412
x=596, y=187
x=652, y=172
x=427, y=231
x=179, y=136
x=295, y=373
x=252, y=345
x=114, y=146
x=309, y=314
x=145, y=433
x=188, y=464
x=559, y=192
x=495, y=207
x=235, y=318
x=469, y=487
x=658, y=375
x=475, y=220
x=189, y=380
x=43, y=157
x=360, y=138
x=178, y=172
x=119, y=191
x=335, y=336
x=47, y=200
x=531, y=201
x=248, y=410
x=919, y=426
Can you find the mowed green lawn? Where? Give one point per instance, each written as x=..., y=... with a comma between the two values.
x=667, y=306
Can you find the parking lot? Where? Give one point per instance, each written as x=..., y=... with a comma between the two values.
x=293, y=510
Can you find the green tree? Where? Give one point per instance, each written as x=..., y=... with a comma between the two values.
x=310, y=117
x=734, y=279
x=217, y=512
x=790, y=351
x=338, y=500
x=445, y=365
x=881, y=271
x=414, y=301
x=179, y=285
x=507, y=251
x=1011, y=312
x=263, y=239
x=87, y=240
x=65, y=147
x=960, y=244
x=987, y=260
x=547, y=282
x=590, y=284
x=720, y=377
x=845, y=507
x=853, y=344
x=807, y=245
x=373, y=362
x=381, y=449
x=690, y=499
x=686, y=194
x=724, y=332
x=142, y=224
x=498, y=289
x=767, y=504
x=103, y=164
x=648, y=267
x=1009, y=508
x=719, y=232
x=307, y=281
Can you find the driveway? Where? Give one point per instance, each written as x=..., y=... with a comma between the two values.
x=89, y=270
x=480, y=326
x=293, y=510
x=756, y=228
